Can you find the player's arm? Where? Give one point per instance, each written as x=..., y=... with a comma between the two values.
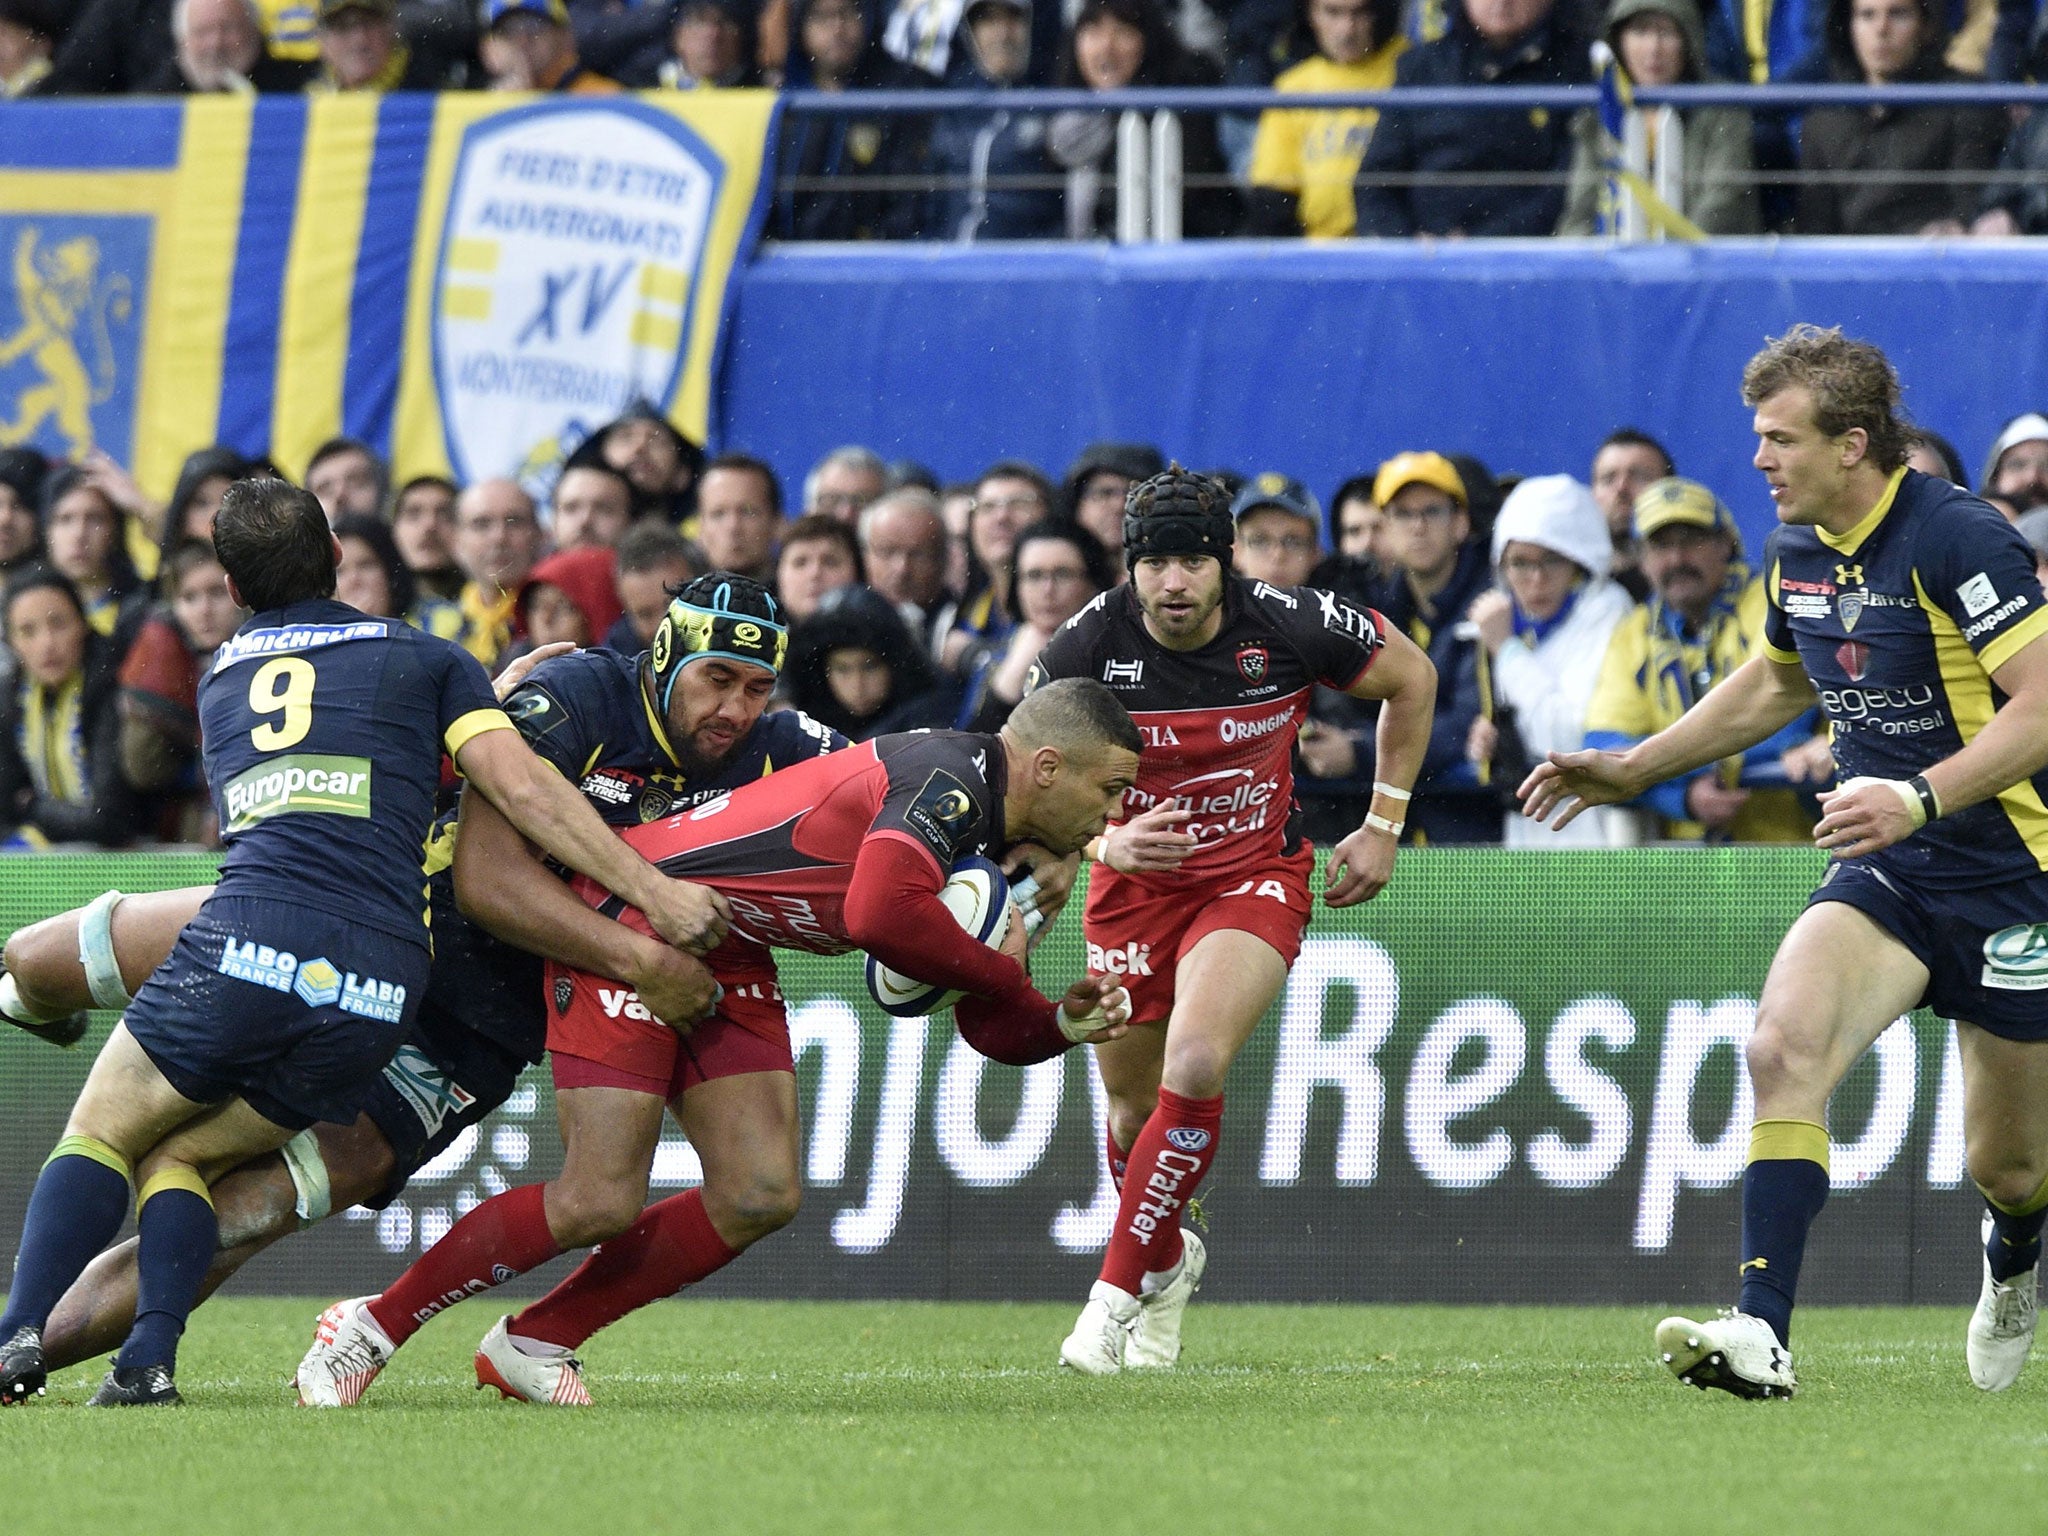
x=1759, y=699
x=501, y=886
x=1403, y=680
x=546, y=808
x=1865, y=815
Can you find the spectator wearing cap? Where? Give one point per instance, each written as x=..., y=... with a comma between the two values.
x=1703, y=619
x=361, y=50
x=1543, y=634
x=2033, y=527
x=1438, y=569
x=2017, y=467
x=997, y=181
x=528, y=46
x=28, y=37
x=1490, y=42
x=1625, y=464
x=843, y=482
x=903, y=545
x=1279, y=531
x=655, y=562
x=840, y=158
x=592, y=505
x=1097, y=485
x=1304, y=160
x=854, y=667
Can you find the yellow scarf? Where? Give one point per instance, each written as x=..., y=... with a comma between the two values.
x=53, y=738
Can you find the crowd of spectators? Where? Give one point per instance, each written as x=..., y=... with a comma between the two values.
x=1010, y=174
x=1558, y=612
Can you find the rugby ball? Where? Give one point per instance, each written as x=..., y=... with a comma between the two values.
x=978, y=896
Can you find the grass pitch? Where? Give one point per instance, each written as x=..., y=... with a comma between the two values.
x=864, y=1417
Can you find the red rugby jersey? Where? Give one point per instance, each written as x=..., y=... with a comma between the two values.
x=1219, y=722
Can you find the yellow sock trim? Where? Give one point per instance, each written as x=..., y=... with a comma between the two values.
x=2038, y=1200
x=1770, y=1139
x=172, y=1178
x=98, y=1151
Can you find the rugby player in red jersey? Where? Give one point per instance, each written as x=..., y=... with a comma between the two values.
x=847, y=851
x=1201, y=898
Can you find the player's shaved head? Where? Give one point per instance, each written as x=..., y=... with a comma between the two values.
x=274, y=543
x=1075, y=714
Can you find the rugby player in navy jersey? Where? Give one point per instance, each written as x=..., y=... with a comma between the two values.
x=481, y=1022
x=302, y=973
x=1911, y=612
x=847, y=852
x=1201, y=897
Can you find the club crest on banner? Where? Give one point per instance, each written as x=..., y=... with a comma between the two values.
x=567, y=276
x=69, y=336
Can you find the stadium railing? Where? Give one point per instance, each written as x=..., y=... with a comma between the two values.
x=1151, y=182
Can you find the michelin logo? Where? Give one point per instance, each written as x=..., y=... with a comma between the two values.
x=317, y=983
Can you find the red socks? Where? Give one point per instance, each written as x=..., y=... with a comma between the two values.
x=1119, y=1159
x=672, y=1245
x=505, y=1236
x=1165, y=1169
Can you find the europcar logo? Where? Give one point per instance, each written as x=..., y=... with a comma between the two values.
x=567, y=274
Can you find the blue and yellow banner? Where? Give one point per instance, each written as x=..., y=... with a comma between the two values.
x=468, y=282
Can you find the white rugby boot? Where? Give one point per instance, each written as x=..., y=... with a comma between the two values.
x=349, y=1349
x=1096, y=1346
x=1154, y=1340
x=1735, y=1352
x=2002, y=1328
x=556, y=1380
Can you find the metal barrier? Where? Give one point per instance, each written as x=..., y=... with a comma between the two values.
x=1151, y=181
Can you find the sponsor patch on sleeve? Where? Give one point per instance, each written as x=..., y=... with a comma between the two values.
x=943, y=814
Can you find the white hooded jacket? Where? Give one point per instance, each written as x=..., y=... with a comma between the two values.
x=1549, y=684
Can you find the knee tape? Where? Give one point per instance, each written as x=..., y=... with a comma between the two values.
x=308, y=1169
x=96, y=952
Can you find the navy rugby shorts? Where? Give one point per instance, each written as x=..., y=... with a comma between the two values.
x=1985, y=949
x=444, y=1079
x=295, y=1010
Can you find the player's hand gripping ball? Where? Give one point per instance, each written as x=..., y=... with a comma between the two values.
x=978, y=896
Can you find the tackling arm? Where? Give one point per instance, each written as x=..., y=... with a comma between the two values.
x=547, y=808
x=502, y=887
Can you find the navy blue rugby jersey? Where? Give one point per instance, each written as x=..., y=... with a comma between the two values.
x=588, y=715
x=1899, y=624
x=323, y=731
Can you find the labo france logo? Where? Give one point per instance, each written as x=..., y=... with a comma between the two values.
x=318, y=983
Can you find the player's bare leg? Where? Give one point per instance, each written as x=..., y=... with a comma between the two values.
x=2005, y=1137
x=256, y=1204
x=1166, y=1107
x=608, y=1138
x=52, y=977
x=1837, y=983
x=748, y=1136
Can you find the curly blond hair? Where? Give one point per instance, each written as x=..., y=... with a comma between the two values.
x=1852, y=384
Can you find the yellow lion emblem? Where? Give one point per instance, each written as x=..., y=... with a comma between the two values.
x=59, y=289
